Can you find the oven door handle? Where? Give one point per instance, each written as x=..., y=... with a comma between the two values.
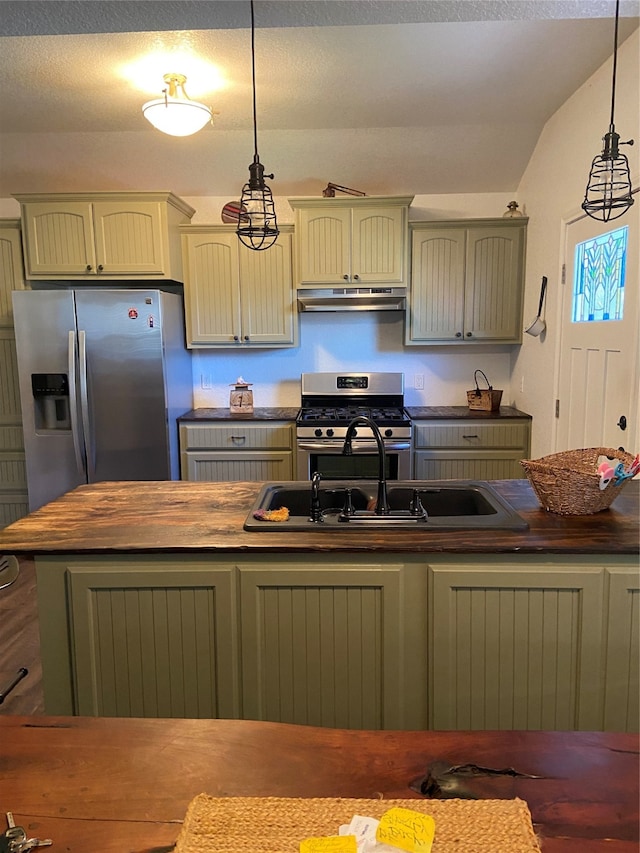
x=358, y=446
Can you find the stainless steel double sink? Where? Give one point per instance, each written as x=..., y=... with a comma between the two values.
x=446, y=504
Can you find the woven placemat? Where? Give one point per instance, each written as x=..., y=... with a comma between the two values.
x=278, y=824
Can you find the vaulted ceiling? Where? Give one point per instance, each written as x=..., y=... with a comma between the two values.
x=386, y=96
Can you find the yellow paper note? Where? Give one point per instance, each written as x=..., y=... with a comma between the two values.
x=330, y=844
x=406, y=829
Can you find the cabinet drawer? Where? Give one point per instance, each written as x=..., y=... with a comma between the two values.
x=471, y=435
x=236, y=435
x=252, y=466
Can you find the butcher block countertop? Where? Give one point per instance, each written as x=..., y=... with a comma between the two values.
x=148, y=517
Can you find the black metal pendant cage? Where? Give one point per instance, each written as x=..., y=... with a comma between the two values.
x=608, y=194
x=257, y=225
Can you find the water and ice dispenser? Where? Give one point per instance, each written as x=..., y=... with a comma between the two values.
x=51, y=400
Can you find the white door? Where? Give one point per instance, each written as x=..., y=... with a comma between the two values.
x=598, y=373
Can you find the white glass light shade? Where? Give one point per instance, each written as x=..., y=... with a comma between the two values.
x=175, y=113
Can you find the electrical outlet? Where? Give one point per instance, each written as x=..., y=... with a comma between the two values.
x=418, y=381
x=205, y=381
x=522, y=384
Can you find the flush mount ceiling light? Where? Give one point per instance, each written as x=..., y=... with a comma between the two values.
x=257, y=226
x=175, y=113
x=608, y=194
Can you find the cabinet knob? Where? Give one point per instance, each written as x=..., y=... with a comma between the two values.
x=469, y=335
x=100, y=267
x=236, y=338
x=345, y=277
x=458, y=334
x=356, y=277
x=89, y=267
x=246, y=337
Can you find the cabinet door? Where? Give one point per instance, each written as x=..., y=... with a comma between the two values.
x=151, y=641
x=129, y=238
x=267, y=298
x=253, y=466
x=324, y=241
x=622, y=686
x=378, y=245
x=516, y=647
x=494, y=278
x=468, y=465
x=11, y=271
x=436, y=303
x=59, y=239
x=323, y=647
x=211, y=289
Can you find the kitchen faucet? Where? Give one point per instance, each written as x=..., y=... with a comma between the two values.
x=316, y=509
x=382, y=505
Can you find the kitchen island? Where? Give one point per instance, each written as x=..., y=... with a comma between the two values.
x=154, y=601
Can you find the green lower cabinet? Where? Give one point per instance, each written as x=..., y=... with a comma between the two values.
x=324, y=646
x=362, y=641
x=151, y=638
x=515, y=646
x=622, y=684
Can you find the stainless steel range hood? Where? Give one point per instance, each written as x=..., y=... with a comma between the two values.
x=352, y=299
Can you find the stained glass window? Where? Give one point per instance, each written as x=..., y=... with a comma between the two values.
x=598, y=287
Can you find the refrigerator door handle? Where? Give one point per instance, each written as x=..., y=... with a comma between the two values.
x=84, y=406
x=73, y=405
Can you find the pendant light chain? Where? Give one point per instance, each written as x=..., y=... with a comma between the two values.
x=257, y=225
x=253, y=80
x=609, y=194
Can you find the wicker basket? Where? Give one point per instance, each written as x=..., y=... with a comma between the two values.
x=568, y=483
x=483, y=399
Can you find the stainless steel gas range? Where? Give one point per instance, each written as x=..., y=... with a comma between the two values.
x=330, y=401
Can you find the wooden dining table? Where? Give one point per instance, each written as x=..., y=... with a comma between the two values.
x=113, y=785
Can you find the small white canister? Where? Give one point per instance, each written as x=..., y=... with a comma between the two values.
x=241, y=397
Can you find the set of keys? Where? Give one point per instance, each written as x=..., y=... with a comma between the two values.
x=14, y=839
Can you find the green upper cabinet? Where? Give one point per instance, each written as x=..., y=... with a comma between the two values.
x=467, y=281
x=103, y=236
x=235, y=296
x=347, y=241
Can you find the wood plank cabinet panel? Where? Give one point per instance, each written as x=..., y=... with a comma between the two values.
x=323, y=647
x=622, y=687
x=14, y=502
x=252, y=465
x=513, y=648
x=468, y=448
x=235, y=296
x=467, y=465
x=103, y=236
x=235, y=450
x=467, y=282
x=153, y=641
x=352, y=241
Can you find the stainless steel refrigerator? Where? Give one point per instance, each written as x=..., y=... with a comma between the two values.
x=103, y=376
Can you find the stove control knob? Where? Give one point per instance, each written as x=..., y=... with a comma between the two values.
x=318, y=433
x=388, y=433
x=329, y=433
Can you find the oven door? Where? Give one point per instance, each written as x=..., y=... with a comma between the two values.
x=326, y=458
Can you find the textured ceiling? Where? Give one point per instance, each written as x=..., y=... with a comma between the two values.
x=387, y=97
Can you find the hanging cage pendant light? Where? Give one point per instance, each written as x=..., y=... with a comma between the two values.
x=257, y=226
x=175, y=113
x=608, y=194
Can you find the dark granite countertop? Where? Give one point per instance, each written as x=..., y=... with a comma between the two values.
x=268, y=413
x=462, y=412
